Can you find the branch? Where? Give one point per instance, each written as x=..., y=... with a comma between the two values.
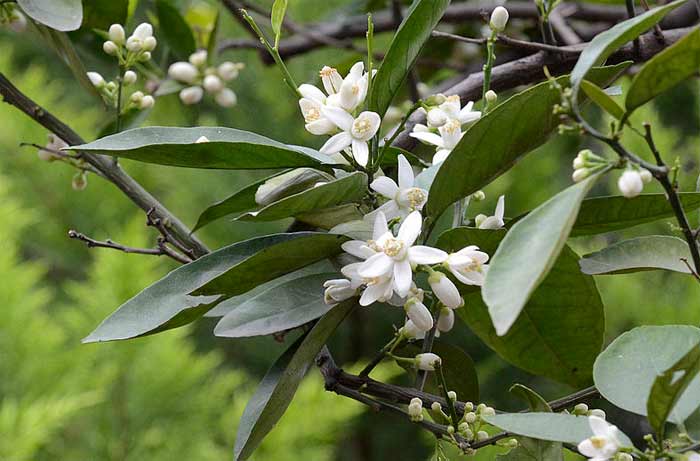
x=161, y=250
x=176, y=232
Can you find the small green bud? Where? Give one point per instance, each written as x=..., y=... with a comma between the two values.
x=478, y=196
x=470, y=417
x=452, y=396
x=482, y=435
x=581, y=409
x=435, y=100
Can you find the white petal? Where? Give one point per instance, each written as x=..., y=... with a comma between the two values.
x=430, y=138
x=491, y=222
x=403, y=277
x=441, y=155
x=358, y=248
x=587, y=449
x=349, y=93
x=469, y=277
x=380, y=226
x=320, y=127
x=377, y=265
x=410, y=228
x=599, y=426
x=311, y=92
x=342, y=119
x=360, y=151
x=337, y=143
x=420, y=254
x=371, y=294
x=385, y=186
x=405, y=173
x=356, y=70
x=500, y=207
x=373, y=120
x=446, y=291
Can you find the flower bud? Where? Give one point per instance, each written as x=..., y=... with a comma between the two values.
x=468, y=406
x=143, y=31
x=628, y=457
x=134, y=44
x=96, y=79
x=111, y=86
x=581, y=409
x=147, y=102
x=478, y=196
x=436, y=117
x=145, y=56
x=229, y=70
x=117, y=34
x=482, y=435
x=79, y=181
x=427, y=361
x=226, y=98
x=410, y=331
x=479, y=219
x=488, y=411
x=499, y=19
x=452, y=395
x=419, y=314
x=198, y=58
x=191, y=95
x=580, y=174
x=149, y=44
x=415, y=409
x=183, y=72
x=136, y=97
x=129, y=77
x=446, y=320
x=645, y=175
x=435, y=100
x=445, y=290
x=630, y=183
x=435, y=406
x=110, y=48
x=470, y=417
x=338, y=290
x=598, y=413
x=579, y=162
x=212, y=84
x=491, y=96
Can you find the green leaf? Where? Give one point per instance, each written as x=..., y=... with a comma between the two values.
x=540, y=341
x=280, y=308
x=61, y=15
x=598, y=96
x=270, y=263
x=533, y=243
x=667, y=69
x=534, y=400
x=275, y=392
x=100, y=14
x=556, y=427
x=167, y=303
x=626, y=370
x=211, y=40
x=607, y=42
x=175, y=31
x=486, y=153
x=329, y=218
x=358, y=229
x=349, y=188
x=403, y=52
x=639, y=254
x=669, y=387
x=227, y=148
x=606, y=214
x=279, y=8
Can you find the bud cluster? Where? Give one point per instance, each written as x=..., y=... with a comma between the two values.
x=585, y=164
x=200, y=77
x=631, y=182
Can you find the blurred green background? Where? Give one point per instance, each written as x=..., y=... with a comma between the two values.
x=179, y=395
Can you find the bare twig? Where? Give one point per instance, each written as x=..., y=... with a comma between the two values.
x=511, y=42
x=161, y=250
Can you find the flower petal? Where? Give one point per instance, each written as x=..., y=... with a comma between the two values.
x=358, y=248
x=381, y=226
x=385, y=186
x=336, y=143
x=420, y=254
x=360, y=151
x=311, y=92
x=428, y=137
x=405, y=173
x=376, y=266
x=320, y=127
x=342, y=119
x=403, y=277
x=371, y=294
x=492, y=222
x=410, y=228
x=500, y=207
x=599, y=426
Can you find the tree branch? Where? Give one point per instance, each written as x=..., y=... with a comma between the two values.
x=161, y=250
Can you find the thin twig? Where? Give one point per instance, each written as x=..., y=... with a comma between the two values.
x=511, y=42
x=161, y=250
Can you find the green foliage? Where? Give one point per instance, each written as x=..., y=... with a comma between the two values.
x=174, y=29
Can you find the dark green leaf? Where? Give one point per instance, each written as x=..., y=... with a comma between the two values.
x=227, y=148
x=405, y=47
x=211, y=40
x=534, y=243
x=358, y=229
x=540, y=341
x=626, y=370
x=557, y=427
x=62, y=15
x=275, y=392
x=100, y=14
x=606, y=214
x=669, y=387
x=667, y=69
x=280, y=308
x=167, y=303
x=486, y=153
x=270, y=263
x=639, y=254
x=534, y=400
x=328, y=218
x=349, y=188
x=607, y=42
x=174, y=30
x=598, y=96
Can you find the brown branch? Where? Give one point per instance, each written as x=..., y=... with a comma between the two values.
x=161, y=250
x=511, y=42
x=176, y=231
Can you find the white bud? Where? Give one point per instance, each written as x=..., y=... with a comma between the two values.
x=110, y=48
x=134, y=44
x=226, y=98
x=201, y=139
x=579, y=162
x=411, y=331
x=488, y=411
x=338, y=290
x=630, y=183
x=436, y=117
x=147, y=102
x=198, y=58
x=479, y=219
x=435, y=406
x=482, y=435
x=96, y=79
x=111, y=86
x=212, y=84
x=145, y=56
x=143, y=31
x=419, y=314
x=478, y=196
x=427, y=361
x=491, y=96
x=470, y=417
x=117, y=34
x=183, y=72
x=415, y=409
x=191, y=95
x=452, y=395
x=129, y=77
x=446, y=320
x=581, y=408
x=499, y=19
x=445, y=290
x=646, y=176
x=228, y=70
x=597, y=412
x=136, y=97
x=149, y=43
x=628, y=457
x=580, y=174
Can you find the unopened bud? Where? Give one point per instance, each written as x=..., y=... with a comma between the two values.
x=646, y=176
x=191, y=95
x=625, y=457
x=147, y=102
x=452, y=395
x=183, y=72
x=478, y=196
x=581, y=409
x=136, y=97
x=630, y=183
x=229, y=70
x=488, y=411
x=226, y=98
x=580, y=174
x=479, y=219
x=145, y=56
x=419, y=314
x=470, y=417
x=450, y=429
x=427, y=361
x=116, y=34
x=446, y=320
x=129, y=77
x=110, y=48
x=491, y=96
x=96, y=79
x=198, y=58
x=499, y=19
x=482, y=435
x=435, y=100
x=212, y=84
x=415, y=409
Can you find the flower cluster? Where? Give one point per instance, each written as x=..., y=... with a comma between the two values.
x=335, y=112
x=605, y=442
x=12, y=17
x=403, y=198
x=444, y=124
x=201, y=77
x=631, y=182
x=129, y=51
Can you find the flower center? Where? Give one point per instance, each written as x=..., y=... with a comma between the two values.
x=452, y=98
x=312, y=115
x=598, y=442
x=361, y=127
x=373, y=245
x=416, y=197
x=327, y=72
x=393, y=247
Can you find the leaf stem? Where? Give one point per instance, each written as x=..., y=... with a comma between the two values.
x=450, y=403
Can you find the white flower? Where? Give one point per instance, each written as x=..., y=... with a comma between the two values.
x=395, y=255
x=630, y=183
x=427, y=361
x=226, y=98
x=450, y=110
x=310, y=104
x=129, y=77
x=410, y=331
x=353, y=90
x=495, y=221
x=403, y=197
x=445, y=290
x=468, y=265
x=338, y=290
x=446, y=320
x=96, y=79
x=449, y=137
x=198, y=58
x=229, y=70
x=191, y=95
x=212, y=84
x=54, y=144
x=604, y=443
x=117, y=34
x=418, y=314
x=183, y=72
x=355, y=132
x=331, y=79
x=110, y=48
x=499, y=19
x=376, y=288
